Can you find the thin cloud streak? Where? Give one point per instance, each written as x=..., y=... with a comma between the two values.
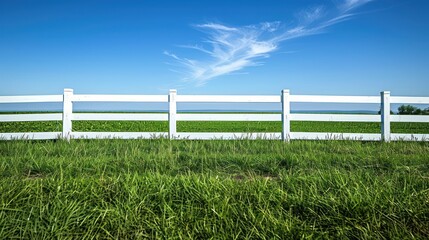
x=230, y=49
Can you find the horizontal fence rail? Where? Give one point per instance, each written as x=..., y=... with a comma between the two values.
x=121, y=135
x=334, y=99
x=227, y=136
x=335, y=117
x=172, y=116
x=120, y=117
x=30, y=117
x=228, y=98
x=31, y=99
x=409, y=118
x=30, y=135
x=410, y=100
x=119, y=98
x=336, y=136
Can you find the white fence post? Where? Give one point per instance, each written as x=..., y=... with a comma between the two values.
x=172, y=113
x=67, y=113
x=385, y=116
x=285, y=115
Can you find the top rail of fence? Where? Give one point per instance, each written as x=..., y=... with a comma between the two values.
x=334, y=99
x=228, y=98
x=31, y=99
x=119, y=98
x=410, y=100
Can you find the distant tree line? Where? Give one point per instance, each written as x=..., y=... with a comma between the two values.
x=411, y=110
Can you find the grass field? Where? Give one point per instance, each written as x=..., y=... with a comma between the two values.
x=207, y=126
x=212, y=189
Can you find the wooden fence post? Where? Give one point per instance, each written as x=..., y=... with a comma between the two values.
x=67, y=113
x=385, y=116
x=285, y=115
x=172, y=113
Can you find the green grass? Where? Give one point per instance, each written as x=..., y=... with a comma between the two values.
x=207, y=126
x=130, y=189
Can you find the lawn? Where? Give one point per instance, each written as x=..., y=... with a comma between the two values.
x=207, y=126
x=237, y=189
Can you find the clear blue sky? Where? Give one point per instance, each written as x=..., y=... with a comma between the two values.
x=354, y=47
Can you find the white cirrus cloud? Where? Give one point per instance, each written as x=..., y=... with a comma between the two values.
x=229, y=49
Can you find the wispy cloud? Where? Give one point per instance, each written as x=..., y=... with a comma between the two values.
x=229, y=49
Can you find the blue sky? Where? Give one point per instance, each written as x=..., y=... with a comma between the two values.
x=341, y=47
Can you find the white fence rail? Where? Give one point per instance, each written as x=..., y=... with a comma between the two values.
x=67, y=116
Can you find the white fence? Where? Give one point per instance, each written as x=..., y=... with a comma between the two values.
x=67, y=116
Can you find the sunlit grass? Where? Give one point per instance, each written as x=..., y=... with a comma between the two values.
x=216, y=189
x=211, y=126
x=213, y=189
